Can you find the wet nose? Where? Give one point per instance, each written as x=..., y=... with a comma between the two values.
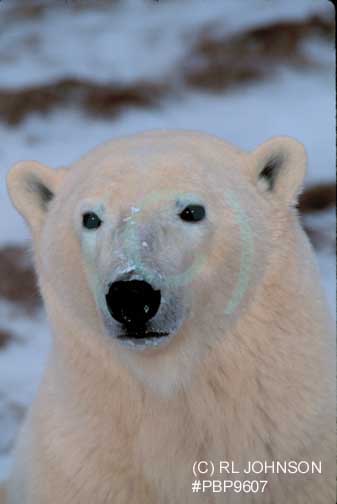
x=133, y=302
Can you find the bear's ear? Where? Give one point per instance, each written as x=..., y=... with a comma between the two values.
x=279, y=167
x=32, y=187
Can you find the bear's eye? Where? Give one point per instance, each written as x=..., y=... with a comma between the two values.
x=193, y=213
x=91, y=220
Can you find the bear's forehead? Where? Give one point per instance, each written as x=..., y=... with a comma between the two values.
x=156, y=153
x=135, y=167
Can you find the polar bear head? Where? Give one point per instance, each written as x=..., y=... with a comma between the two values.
x=152, y=246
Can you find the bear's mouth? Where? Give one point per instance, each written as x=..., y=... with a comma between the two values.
x=142, y=338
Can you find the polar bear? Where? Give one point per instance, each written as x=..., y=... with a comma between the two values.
x=190, y=329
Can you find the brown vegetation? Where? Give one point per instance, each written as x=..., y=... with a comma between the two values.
x=317, y=198
x=18, y=281
x=35, y=9
x=218, y=62
x=214, y=64
x=98, y=99
x=5, y=338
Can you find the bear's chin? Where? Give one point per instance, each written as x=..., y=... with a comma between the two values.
x=143, y=339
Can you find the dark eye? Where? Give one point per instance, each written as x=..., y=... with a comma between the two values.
x=91, y=220
x=193, y=213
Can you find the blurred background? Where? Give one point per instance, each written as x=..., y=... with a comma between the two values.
x=76, y=73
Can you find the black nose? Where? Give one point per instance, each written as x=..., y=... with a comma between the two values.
x=132, y=303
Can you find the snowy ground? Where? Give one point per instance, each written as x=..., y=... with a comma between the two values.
x=144, y=40
x=134, y=40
